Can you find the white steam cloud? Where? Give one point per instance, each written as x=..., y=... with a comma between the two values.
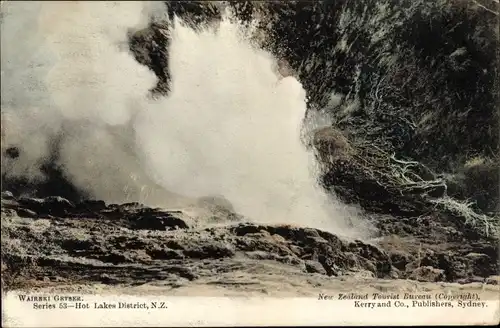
x=230, y=125
x=67, y=74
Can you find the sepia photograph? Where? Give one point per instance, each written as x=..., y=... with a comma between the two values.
x=250, y=163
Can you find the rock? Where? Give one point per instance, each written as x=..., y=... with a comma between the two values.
x=114, y=257
x=428, y=274
x=244, y=229
x=331, y=268
x=400, y=259
x=470, y=280
x=8, y=211
x=35, y=204
x=26, y=213
x=164, y=254
x=368, y=251
x=164, y=221
x=91, y=205
x=314, y=267
x=395, y=274
x=57, y=201
x=7, y=195
x=210, y=250
x=291, y=260
x=492, y=280
x=482, y=265
x=107, y=279
x=331, y=146
x=183, y=272
x=56, y=205
x=53, y=205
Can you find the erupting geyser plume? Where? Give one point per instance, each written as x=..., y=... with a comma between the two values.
x=230, y=126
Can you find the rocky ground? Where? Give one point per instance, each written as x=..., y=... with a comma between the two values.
x=53, y=242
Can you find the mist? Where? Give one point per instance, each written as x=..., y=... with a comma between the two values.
x=231, y=125
x=72, y=84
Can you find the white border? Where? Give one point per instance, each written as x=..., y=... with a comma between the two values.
x=239, y=311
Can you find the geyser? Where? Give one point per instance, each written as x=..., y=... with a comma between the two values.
x=230, y=126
